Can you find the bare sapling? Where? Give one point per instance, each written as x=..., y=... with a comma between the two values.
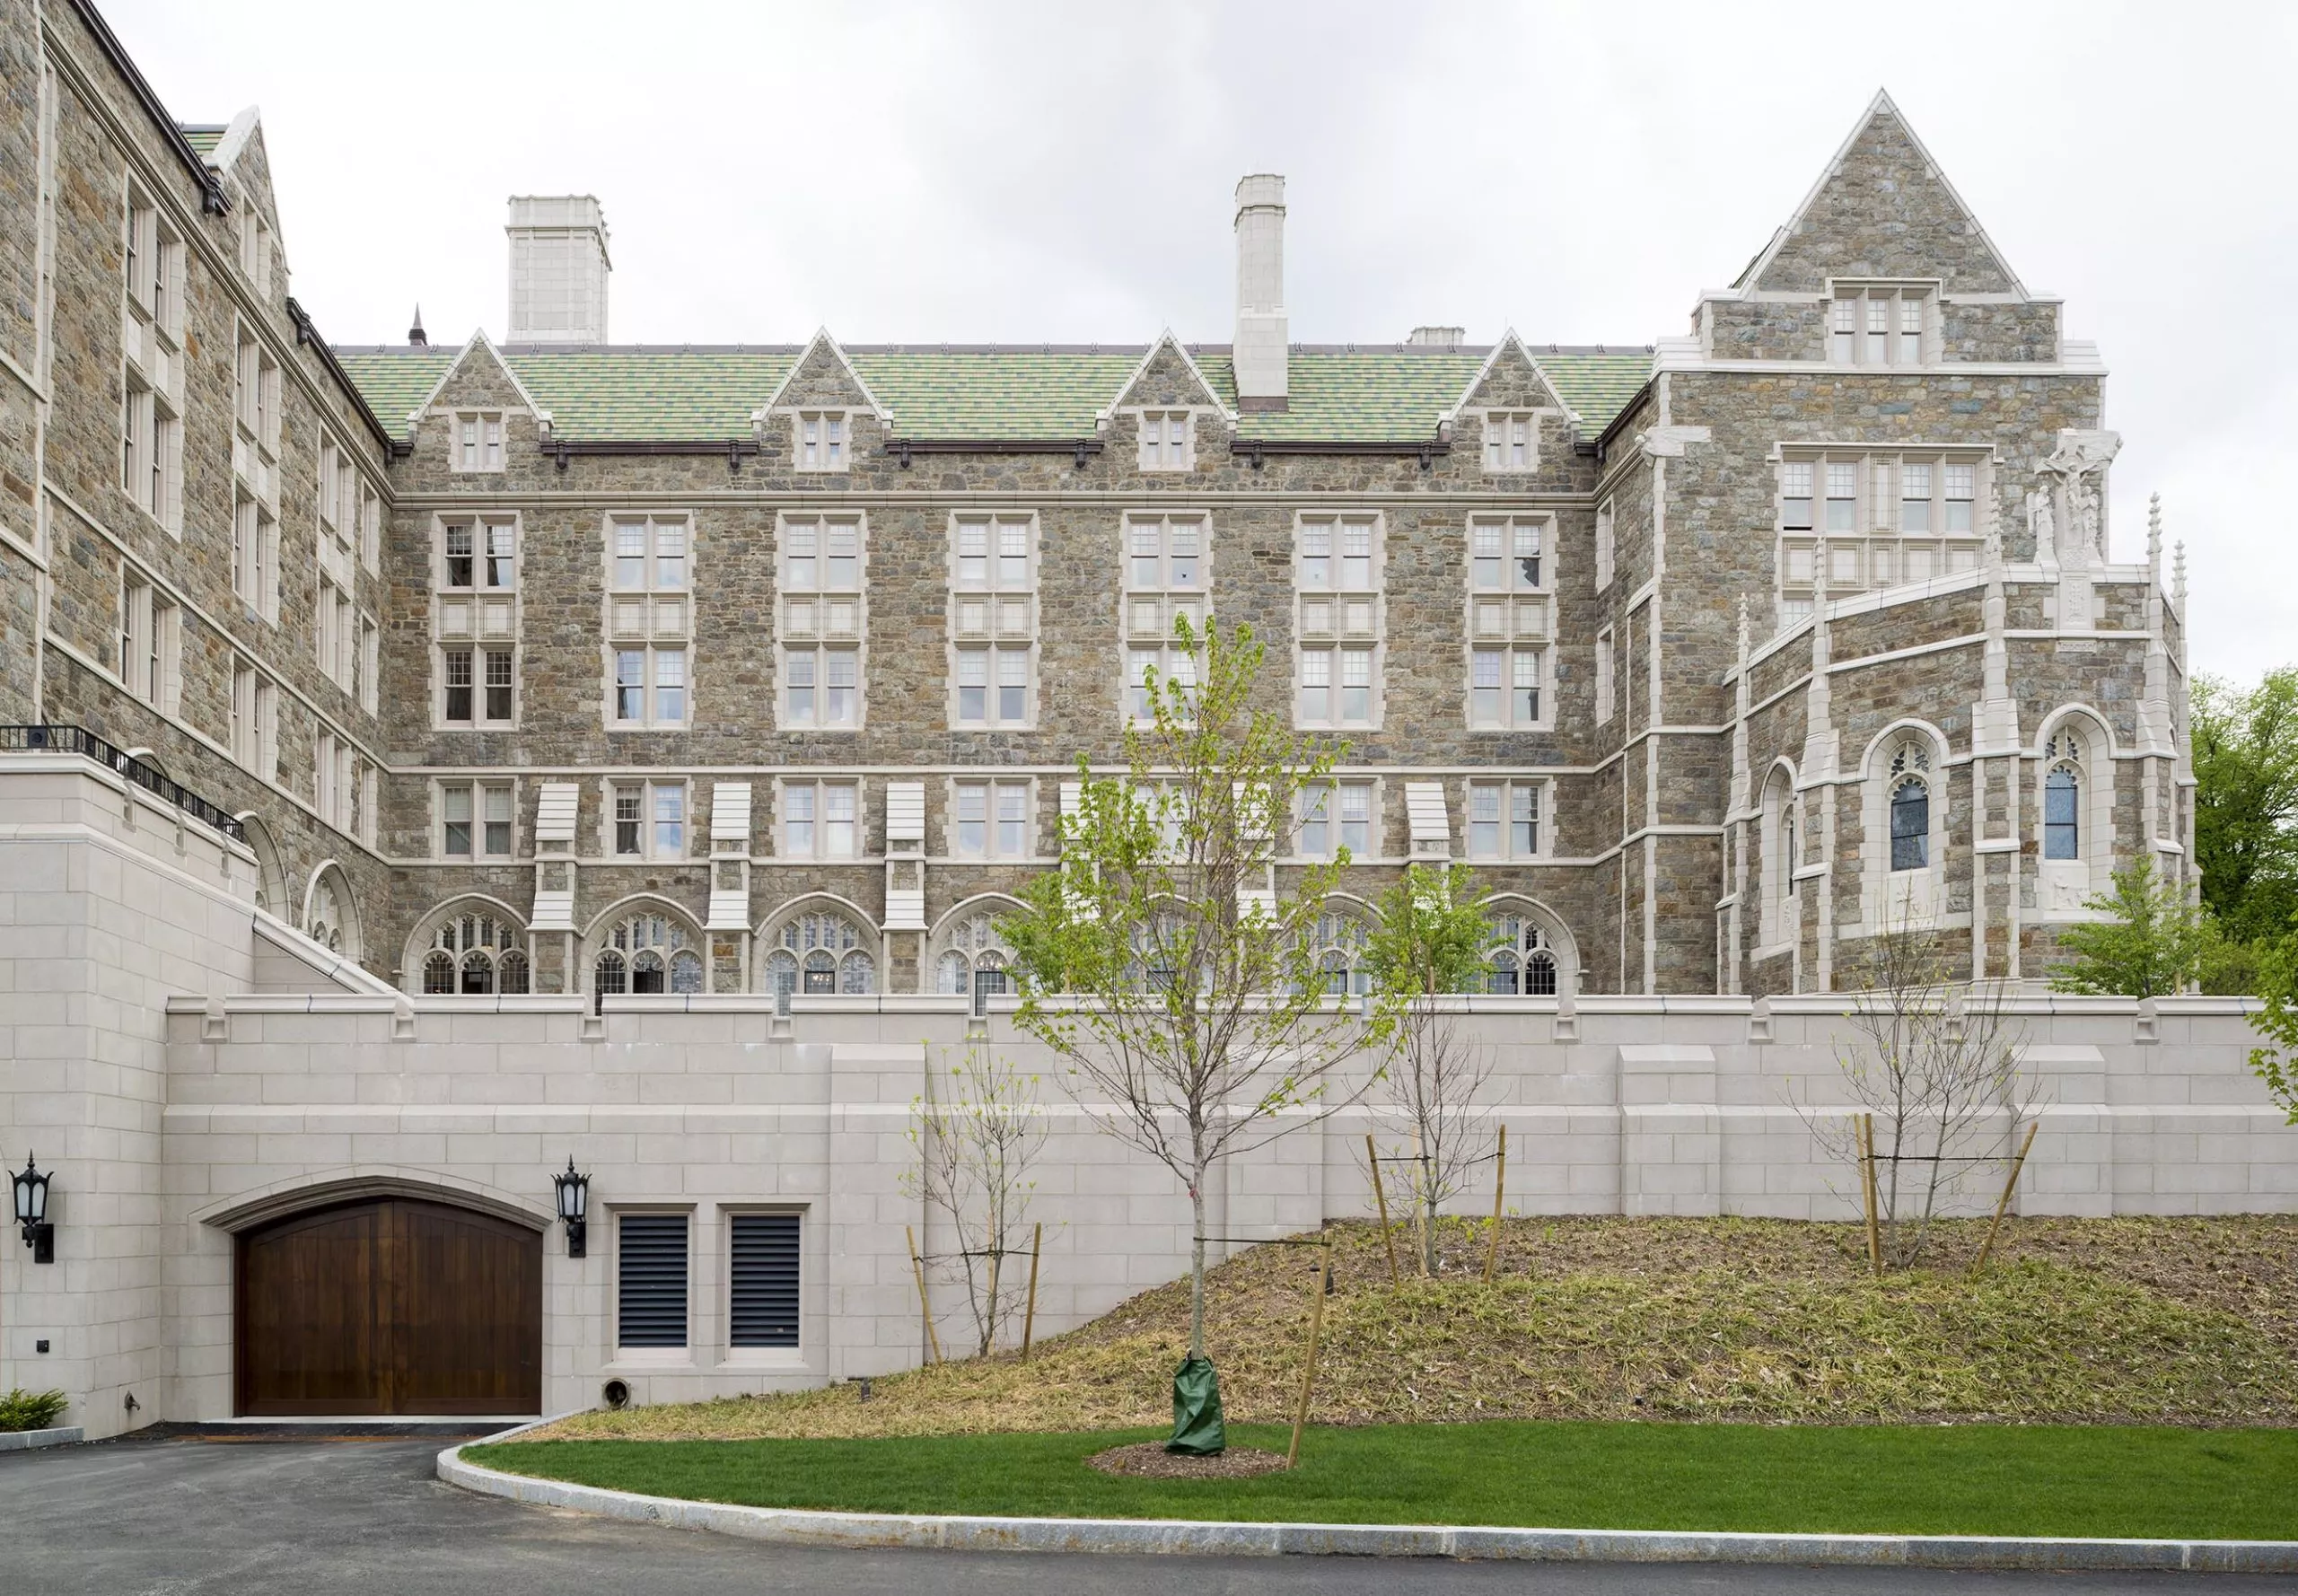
x=974, y=1135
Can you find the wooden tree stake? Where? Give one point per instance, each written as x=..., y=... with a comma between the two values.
x=1499, y=1189
x=925, y=1306
x=2003, y=1202
x=1309, y=1367
x=1029, y=1319
x=996, y=1257
x=1372, y=1161
x=1866, y=1131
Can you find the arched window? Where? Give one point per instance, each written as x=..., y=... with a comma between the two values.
x=1779, y=857
x=330, y=917
x=271, y=880
x=2062, y=797
x=475, y=952
x=974, y=959
x=1911, y=808
x=818, y=952
x=1338, y=938
x=646, y=953
x=1521, y=961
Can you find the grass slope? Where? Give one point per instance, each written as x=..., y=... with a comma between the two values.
x=1986, y=1479
x=2189, y=1321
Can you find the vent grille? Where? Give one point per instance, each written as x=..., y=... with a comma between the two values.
x=763, y=1307
x=653, y=1280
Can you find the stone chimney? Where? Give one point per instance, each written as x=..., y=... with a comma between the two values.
x=1437, y=338
x=1263, y=336
x=558, y=269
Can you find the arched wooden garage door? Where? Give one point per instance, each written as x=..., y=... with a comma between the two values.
x=390, y=1306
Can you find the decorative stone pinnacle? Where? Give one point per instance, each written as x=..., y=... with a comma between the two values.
x=2179, y=574
x=2153, y=529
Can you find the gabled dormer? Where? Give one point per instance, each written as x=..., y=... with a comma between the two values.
x=1160, y=409
x=478, y=403
x=1502, y=415
x=822, y=411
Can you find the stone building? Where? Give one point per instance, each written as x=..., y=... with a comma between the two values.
x=516, y=656
x=421, y=767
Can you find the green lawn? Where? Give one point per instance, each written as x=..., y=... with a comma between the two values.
x=1924, y=1480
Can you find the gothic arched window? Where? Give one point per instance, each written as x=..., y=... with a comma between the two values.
x=974, y=959
x=1911, y=808
x=475, y=954
x=2062, y=797
x=648, y=953
x=1520, y=960
x=820, y=952
x=1338, y=938
x=330, y=917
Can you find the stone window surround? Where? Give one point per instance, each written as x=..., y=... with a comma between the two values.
x=1033, y=838
x=477, y=786
x=1856, y=293
x=997, y=638
x=834, y=445
x=480, y=653
x=1495, y=452
x=646, y=783
x=2063, y=885
x=1156, y=458
x=476, y=636
x=868, y=944
x=256, y=390
x=254, y=556
x=1607, y=541
x=820, y=819
x=1374, y=853
x=1778, y=923
x=477, y=441
x=1198, y=599
x=151, y=449
x=822, y=639
x=1914, y=899
x=795, y=1356
x=1544, y=817
x=939, y=942
x=1510, y=641
x=424, y=943
x=637, y=906
x=666, y=616
x=150, y=646
x=362, y=538
x=1335, y=640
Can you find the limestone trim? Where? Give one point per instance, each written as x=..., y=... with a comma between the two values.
x=2062, y=886
x=1335, y=619
x=419, y=940
x=820, y=945
x=330, y=914
x=955, y=939
x=773, y=402
x=351, y=1183
x=1908, y=751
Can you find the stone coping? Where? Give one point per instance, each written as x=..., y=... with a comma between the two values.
x=25, y=1440
x=964, y=1532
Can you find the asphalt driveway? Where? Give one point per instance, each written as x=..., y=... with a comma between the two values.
x=307, y=1517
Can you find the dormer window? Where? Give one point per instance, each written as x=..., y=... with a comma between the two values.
x=478, y=441
x=821, y=441
x=1166, y=441
x=1879, y=324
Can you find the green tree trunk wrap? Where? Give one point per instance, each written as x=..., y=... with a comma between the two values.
x=1197, y=1432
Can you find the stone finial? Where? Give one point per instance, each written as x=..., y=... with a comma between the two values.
x=1743, y=632
x=2154, y=530
x=2179, y=575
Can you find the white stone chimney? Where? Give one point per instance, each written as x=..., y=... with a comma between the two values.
x=558, y=269
x=1263, y=332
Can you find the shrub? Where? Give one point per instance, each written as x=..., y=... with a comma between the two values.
x=21, y=1409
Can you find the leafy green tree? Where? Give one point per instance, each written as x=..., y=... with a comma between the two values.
x=1430, y=943
x=1172, y=965
x=2277, y=1062
x=2246, y=803
x=2150, y=946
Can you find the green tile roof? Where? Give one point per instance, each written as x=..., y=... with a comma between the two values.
x=648, y=394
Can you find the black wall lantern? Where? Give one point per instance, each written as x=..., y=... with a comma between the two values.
x=32, y=1212
x=573, y=1206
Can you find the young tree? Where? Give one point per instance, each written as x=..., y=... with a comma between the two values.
x=976, y=1137
x=1168, y=962
x=1430, y=943
x=1935, y=1062
x=2151, y=945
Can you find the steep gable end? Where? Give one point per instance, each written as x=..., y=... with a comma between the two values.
x=1510, y=380
x=1882, y=209
x=479, y=379
x=823, y=376
x=1167, y=378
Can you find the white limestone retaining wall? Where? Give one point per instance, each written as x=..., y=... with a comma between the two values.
x=177, y=1106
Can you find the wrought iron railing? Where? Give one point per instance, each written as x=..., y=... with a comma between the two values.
x=79, y=739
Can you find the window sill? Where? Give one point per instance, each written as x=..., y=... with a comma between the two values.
x=766, y=1360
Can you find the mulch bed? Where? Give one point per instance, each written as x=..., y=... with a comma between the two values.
x=1149, y=1459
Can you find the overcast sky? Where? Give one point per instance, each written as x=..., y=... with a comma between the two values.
x=1033, y=173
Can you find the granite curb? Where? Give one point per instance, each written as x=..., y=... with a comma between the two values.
x=962, y=1532
x=25, y=1440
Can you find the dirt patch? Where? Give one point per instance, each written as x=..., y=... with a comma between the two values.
x=1149, y=1459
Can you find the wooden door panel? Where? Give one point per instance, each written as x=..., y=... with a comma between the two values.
x=391, y=1306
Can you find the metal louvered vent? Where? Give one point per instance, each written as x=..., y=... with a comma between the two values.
x=653, y=1280
x=763, y=1307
